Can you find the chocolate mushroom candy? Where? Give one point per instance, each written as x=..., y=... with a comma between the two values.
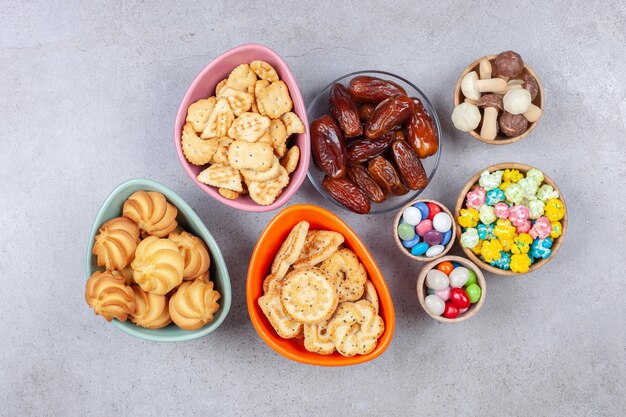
x=466, y=117
x=471, y=86
x=492, y=105
x=530, y=84
x=509, y=64
x=484, y=69
x=516, y=101
x=512, y=124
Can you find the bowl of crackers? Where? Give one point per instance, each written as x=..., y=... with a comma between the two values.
x=153, y=269
x=314, y=292
x=241, y=130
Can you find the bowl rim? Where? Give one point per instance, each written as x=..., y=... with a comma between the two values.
x=296, y=178
x=531, y=126
x=461, y=201
x=431, y=111
x=473, y=309
x=216, y=257
x=384, y=295
x=423, y=258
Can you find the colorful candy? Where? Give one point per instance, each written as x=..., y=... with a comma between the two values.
x=547, y=192
x=520, y=263
x=512, y=175
x=541, y=248
x=437, y=280
x=487, y=214
x=518, y=214
x=476, y=198
x=459, y=298
x=423, y=208
x=469, y=238
x=490, y=250
x=425, y=229
x=535, y=208
x=419, y=249
x=452, y=289
x=412, y=216
x=504, y=262
x=494, y=197
x=468, y=217
x=541, y=229
x=554, y=210
x=458, y=277
x=473, y=292
x=435, y=251
x=557, y=230
x=514, y=193
x=435, y=304
x=529, y=187
x=406, y=231
x=501, y=210
x=442, y=222
x=484, y=231
x=489, y=181
x=433, y=209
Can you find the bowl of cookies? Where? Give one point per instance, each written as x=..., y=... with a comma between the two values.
x=314, y=292
x=241, y=130
x=153, y=269
x=374, y=142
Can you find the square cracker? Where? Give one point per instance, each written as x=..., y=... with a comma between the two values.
x=249, y=127
x=198, y=113
x=274, y=101
x=244, y=155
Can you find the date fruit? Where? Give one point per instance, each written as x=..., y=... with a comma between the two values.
x=366, y=89
x=409, y=165
x=362, y=150
x=388, y=114
x=358, y=174
x=385, y=175
x=347, y=193
x=343, y=109
x=328, y=147
x=365, y=111
x=420, y=131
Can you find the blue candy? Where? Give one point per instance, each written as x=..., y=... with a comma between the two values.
x=540, y=248
x=456, y=264
x=419, y=249
x=410, y=243
x=446, y=237
x=494, y=197
x=485, y=232
x=423, y=208
x=430, y=291
x=504, y=262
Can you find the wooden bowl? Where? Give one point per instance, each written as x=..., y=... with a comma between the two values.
x=500, y=138
x=422, y=258
x=473, y=308
x=460, y=202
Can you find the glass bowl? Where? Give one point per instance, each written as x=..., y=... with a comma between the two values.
x=319, y=107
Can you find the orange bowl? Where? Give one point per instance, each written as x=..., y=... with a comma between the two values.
x=262, y=256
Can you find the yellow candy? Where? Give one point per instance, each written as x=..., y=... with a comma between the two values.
x=554, y=210
x=557, y=230
x=507, y=244
x=504, y=230
x=522, y=244
x=504, y=184
x=490, y=250
x=512, y=175
x=476, y=249
x=520, y=263
x=468, y=217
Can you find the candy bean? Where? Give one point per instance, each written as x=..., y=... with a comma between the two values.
x=459, y=276
x=472, y=279
x=450, y=311
x=419, y=249
x=412, y=216
x=442, y=222
x=446, y=237
x=410, y=243
x=423, y=208
x=463, y=310
x=445, y=267
x=459, y=298
x=433, y=209
x=435, y=304
x=444, y=294
x=437, y=280
x=406, y=231
x=424, y=227
x=433, y=237
x=435, y=250
x=473, y=292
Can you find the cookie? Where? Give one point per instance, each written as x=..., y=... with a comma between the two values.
x=197, y=151
x=198, y=113
x=290, y=160
x=289, y=250
x=348, y=272
x=308, y=295
x=249, y=127
x=265, y=192
x=274, y=100
x=319, y=246
x=219, y=121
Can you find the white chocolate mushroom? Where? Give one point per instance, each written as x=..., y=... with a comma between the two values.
x=484, y=69
x=533, y=113
x=517, y=101
x=466, y=117
x=471, y=86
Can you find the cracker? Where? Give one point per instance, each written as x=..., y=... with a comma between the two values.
x=219, y=121
x=274, y=101
x=245, y=155
x=221, y=154
x=265, y=192
x=259, y=86
x=289, y=250
x=291, y=159
x=249, y=127
x=264, y=70
x=319, y=246
x=266, y=138
x=272, y=307
x=348, y=272
x=198, y=113
x=221, y=176
x=253, y=107
x=254, y=175
x=292, y=122
x=197, y=151
x=220, y=86
x=229, y=194
x=308, y=295
x=355, y=328
x=241, y=77
x=239, y=101
x=279, y=134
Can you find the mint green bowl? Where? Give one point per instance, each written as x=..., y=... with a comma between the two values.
x=189, y=220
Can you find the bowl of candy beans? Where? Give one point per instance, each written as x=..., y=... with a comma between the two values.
x=374, y=142
x=424, y=230
x=451, y=289
x=511, y=219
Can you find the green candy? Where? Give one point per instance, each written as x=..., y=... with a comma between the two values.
x=472, y=278
x=406, y=231
x=473, y=292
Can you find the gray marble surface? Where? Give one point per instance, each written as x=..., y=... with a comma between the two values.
x=89, y=94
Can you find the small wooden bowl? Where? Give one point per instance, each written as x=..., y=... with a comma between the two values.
x=423, y=258
x=473, y=308
x=460, y=202
x=500, y=138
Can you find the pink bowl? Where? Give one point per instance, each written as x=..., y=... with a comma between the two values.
x=204, y=86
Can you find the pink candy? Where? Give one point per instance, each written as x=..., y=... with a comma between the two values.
x=424, y=227
x=476, y=198
x=444, y=294
x=518, y=214
x=502, y=210
x=524, y=227
x=541, y=229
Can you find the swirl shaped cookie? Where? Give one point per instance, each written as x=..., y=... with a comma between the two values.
x=355, y=328
x=151, y=311
x=115, y=243
x=158, y=265
x=109, y=296
x=151, y=211
x=195, y=253
x=194, y=304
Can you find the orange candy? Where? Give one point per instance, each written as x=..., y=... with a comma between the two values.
x=445, y=267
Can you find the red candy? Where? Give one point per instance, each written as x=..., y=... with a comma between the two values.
x=459, y=298
x=450, y=311
x=432, y=210
x=445, y=267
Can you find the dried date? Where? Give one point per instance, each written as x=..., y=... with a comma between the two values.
x=409, y=165
x=343, y=109
x=328, y=147
x=420, y=131
x=362, y=150
x=389, y=114
x=366, y=89
x=385, y=175
x=348, y=194
x=365, y=111
x=358, y=174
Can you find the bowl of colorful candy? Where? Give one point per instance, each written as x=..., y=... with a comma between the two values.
x=451, y=289
x=374, y=142
x=511, y=219
x=424, y=230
